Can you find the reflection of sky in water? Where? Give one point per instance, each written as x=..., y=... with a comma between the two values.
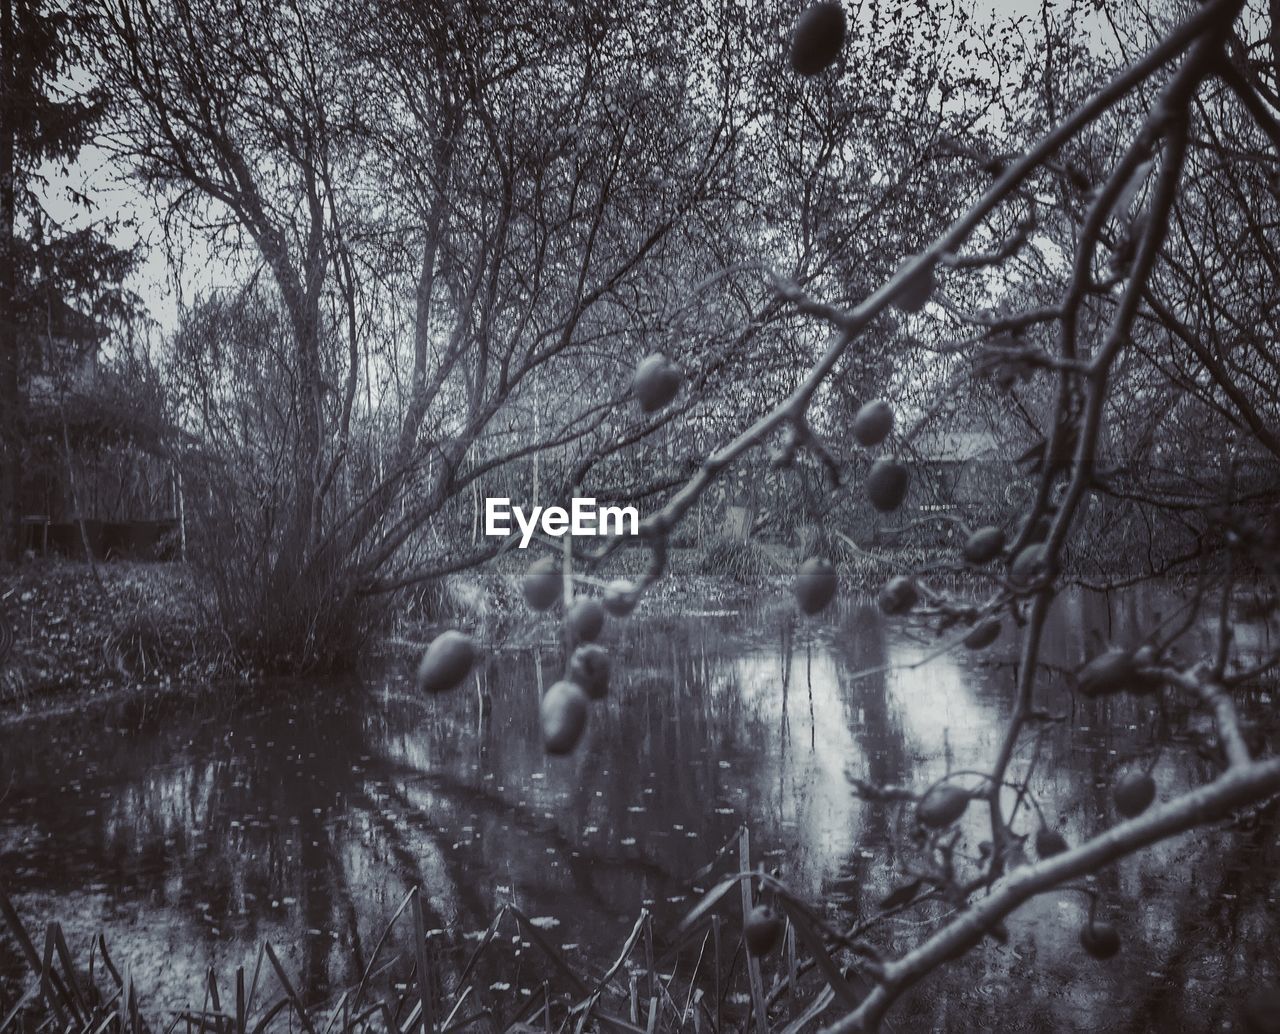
x=305, y=819
x=799, y=779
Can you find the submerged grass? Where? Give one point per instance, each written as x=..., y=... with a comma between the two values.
x=692, y=981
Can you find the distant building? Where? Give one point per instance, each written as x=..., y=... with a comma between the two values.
x=63, y=355
x=92, y=465
x=963, y=469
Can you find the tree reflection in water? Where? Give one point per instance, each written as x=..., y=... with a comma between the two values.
x=303, y=815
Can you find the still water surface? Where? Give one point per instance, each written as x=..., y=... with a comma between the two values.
x=303, y=813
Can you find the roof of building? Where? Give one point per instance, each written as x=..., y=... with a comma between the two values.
x=62, y=321
x=956, y=446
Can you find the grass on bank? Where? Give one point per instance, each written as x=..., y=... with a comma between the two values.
x=76, y=628
x=70, y=628
x=693, y=981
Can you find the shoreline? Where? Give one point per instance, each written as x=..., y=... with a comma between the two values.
x=120, y=632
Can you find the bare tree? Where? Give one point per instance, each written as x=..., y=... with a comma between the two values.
x=1132, y=244
x=1104, y=317
x=534, y=196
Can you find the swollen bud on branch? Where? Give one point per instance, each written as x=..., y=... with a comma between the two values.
x=815, y=585
x=983, y=545
x=542, y=584
x=1109, y=672
x=1133, y=793
x=446, y=662
x=818, y=39
x=620, y=597
x=872, y=423
x=918, y=288
x=1029, y=566
x=1049, y=842
x=1099, y=939
x=762, y=930
x=656, y=382
x=589, y=668
x=887, y=485
x=983, y=634
x=942, y=805
x=564, y=717
x=585, y=620
x=898, y=596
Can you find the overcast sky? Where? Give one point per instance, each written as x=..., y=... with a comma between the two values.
x=154, y=280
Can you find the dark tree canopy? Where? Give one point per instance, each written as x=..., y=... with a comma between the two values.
x=53, y=278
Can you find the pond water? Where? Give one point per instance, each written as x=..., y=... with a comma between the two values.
x=300, y=814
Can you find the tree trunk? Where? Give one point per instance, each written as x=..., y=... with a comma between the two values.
x=10, y=401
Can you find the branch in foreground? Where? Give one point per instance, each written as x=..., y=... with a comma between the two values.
x=1238, y=786
x=856, y=320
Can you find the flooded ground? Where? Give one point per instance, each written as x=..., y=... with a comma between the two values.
x=302, y=814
